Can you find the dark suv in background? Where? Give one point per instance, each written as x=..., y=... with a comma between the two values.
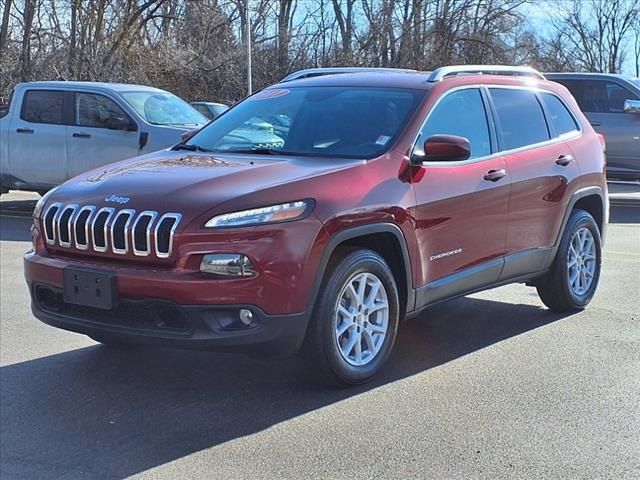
x=611, y=103
x=385, y=193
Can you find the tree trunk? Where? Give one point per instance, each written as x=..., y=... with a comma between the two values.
x=4, y=28
x=25, y=52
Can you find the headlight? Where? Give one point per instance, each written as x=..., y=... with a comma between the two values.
x=257, y=216
x=37, y=211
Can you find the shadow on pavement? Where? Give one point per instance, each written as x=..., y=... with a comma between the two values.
x=15, y=229
x=624, y=214
x=98, y=412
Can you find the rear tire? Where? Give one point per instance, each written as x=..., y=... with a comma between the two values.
x=573, y=278
x=354, y=323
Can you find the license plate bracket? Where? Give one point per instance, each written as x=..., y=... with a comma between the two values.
x=90, y=288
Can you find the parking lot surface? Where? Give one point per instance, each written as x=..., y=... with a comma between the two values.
x=488, y=386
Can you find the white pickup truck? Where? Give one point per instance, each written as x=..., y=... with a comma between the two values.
x=52, y=131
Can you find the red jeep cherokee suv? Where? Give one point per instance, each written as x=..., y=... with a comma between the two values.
x=316, y=214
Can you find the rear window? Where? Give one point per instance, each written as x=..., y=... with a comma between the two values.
x=560, y=115
x=520, y=116
x=43, y=106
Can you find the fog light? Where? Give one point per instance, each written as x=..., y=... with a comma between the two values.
x=228, y=264
x=246, y=316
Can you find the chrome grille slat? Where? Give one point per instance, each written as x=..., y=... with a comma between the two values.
x=106, y=229
x=125, y=231
x=83, y=226
x=167, y=216
x=49, y=222
x=64, y=225
x=147, y=233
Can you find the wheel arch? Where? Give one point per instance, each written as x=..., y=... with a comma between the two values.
x=388, y=241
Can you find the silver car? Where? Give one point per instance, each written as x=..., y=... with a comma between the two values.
x=52, y=131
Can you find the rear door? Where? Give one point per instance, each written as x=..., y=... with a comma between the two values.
x=602, y=102
x=99, y=135
x=460, y=216
x=37, y=153
x=543, y=172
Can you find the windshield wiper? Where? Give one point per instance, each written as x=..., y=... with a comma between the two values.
x=259, y=151
x=191, y=148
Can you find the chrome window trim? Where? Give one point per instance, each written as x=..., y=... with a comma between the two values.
x=80, y=246
x=131, y=214
x=51, y=241
x=147, y=252
x=73, y=207
x=551, y=141
x=110, y=211
x=177, y=217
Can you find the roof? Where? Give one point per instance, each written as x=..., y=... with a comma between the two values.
x=67, y=85
x=586, y=74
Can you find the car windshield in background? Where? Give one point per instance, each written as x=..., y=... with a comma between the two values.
x=162, y=108
x=360, y=122
x=636, y=81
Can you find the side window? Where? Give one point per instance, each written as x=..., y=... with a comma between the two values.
x=576, y=89
x=560, y=116
x=520, y=116
x=461, y=113
x=43, y=106
x=98, y=111
x=203, y=110
x=601, y=96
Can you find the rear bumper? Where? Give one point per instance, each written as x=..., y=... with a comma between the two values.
x=164, y=323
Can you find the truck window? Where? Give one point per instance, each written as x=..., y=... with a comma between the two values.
x=93, y=110
x=43, y=106
x=520, y=116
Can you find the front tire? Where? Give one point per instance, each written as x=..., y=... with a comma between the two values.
x=354, y=324
x=575, y=272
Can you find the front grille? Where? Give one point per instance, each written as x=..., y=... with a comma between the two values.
x=110, y=230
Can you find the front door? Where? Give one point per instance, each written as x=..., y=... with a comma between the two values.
x=461, y=207
x=102, y=133
x=37, y=139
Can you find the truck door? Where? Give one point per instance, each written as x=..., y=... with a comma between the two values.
x=102, y=133
x=37, y=153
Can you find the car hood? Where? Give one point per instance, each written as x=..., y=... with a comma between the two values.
x=187, y=181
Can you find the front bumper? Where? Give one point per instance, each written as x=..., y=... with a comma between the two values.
x=164, y=323
x=172, y=309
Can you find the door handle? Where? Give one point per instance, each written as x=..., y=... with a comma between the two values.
x=81, y=135
x=594, y=123
x=564, y=160
x=24, y=130
x=495, y=175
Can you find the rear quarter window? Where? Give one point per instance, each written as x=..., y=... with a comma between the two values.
x=560, y=115
x=43, y=106
x=520, y=117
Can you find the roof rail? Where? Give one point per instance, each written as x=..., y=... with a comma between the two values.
x=521, y=71
x=318, y=72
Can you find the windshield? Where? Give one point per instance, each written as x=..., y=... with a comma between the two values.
x=354, y=122
x=163, y=108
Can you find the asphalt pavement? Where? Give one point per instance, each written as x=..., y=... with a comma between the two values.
x=489, y=386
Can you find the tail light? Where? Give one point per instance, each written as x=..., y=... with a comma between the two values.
x=603, y=142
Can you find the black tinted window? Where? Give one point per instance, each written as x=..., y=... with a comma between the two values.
x=460, y=113
x=520, y=117
x=599, y=96
x=560, y=116
x=43, y=106
x=97, y=111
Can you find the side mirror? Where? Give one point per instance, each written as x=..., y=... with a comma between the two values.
x=121, y=123
x=186, y=136
x=444, y=148
x=632, y=106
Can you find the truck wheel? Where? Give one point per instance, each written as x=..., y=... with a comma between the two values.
x=573, y=278
x=355, y=320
